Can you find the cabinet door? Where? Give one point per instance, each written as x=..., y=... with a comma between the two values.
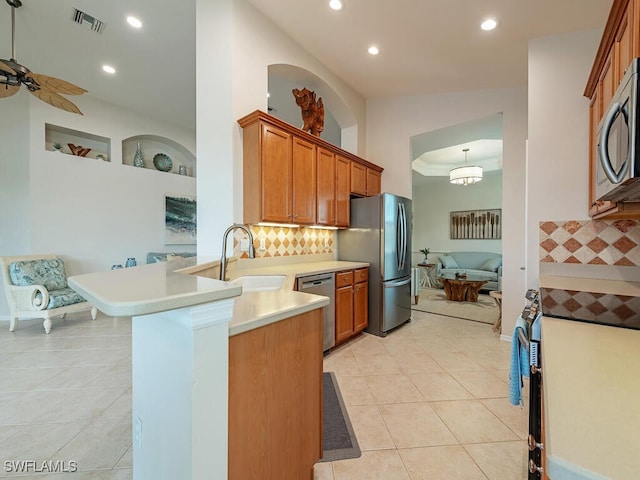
x=276, y=174
x=344, y=313
x=608, y=79
x=360, y=306
x=326, y=187
x=343, y=191
x=373, y=182
x=304, y=181
x=358, y=179
x=624, y=43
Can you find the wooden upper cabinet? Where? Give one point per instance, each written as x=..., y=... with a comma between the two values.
x=291, y=176
x=365, y=181
x=358, y=179
x=374, y=180
x=276, y=168
x=619, y=45
x=303, y=181
x=343, y=191
x=326, y=194
x=624, y=47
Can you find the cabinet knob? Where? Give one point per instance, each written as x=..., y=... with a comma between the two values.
x=535, y=369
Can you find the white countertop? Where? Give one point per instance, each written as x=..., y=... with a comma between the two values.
x=169, y=285
x=149, y=288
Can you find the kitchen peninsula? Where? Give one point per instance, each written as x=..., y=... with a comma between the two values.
x=192, y=337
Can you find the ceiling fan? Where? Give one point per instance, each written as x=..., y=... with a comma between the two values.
x=46, y=88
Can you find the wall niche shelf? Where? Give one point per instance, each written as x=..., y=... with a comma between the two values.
x=152, y=145
x=100, y=146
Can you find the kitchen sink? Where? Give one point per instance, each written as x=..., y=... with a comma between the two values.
x=256, y=283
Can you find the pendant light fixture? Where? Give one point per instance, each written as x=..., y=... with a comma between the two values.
x=465, y=175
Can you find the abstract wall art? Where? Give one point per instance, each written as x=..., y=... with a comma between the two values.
x=179, y=219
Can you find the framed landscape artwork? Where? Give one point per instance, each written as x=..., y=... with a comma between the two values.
x=179, y=219
x=476, y=224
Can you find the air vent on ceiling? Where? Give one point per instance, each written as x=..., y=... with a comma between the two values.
x=88, y=21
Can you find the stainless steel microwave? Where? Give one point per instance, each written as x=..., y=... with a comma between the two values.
x=617, y=163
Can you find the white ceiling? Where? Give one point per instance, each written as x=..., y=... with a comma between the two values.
x=427, y=46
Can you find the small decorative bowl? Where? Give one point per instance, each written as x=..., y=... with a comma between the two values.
x=162, y=162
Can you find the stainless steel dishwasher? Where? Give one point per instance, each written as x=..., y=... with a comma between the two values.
x=322, y=284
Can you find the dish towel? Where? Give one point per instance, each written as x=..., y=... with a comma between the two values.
x=519, y=363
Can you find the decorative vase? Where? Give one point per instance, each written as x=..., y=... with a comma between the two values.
x=182, y=169
x=131, y=262
x=138, y=159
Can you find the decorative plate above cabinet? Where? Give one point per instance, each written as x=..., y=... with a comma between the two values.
x=158, y=153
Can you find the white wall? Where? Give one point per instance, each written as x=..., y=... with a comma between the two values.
x=235, y=45
x=91, y=212
x=392, y=122
x=14, y=180
x=558, y=153
x=433, y=203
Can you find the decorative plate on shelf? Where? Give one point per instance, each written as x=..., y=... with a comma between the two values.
x=162, y=162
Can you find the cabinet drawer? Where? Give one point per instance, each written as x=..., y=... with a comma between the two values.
x=361, y=275
x=343, y=279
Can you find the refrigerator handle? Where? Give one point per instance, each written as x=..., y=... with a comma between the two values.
x=396, y=283
x=403, y=250
x=399, y=236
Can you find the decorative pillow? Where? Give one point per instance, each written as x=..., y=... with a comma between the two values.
x=448, y=261
x=492, y=264
x=48, y=272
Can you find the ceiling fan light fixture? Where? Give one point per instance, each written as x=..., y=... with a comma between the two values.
x=465, y=175
x=134, y=22
x=108, y=69
x=48, y=89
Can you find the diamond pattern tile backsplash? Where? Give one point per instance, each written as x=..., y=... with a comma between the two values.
x=593, y=242
x=607, y=309
x=284, y=242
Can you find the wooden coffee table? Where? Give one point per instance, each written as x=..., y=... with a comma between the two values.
x=461, y=289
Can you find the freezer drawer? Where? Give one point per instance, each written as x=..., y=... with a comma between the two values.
x=389, y=305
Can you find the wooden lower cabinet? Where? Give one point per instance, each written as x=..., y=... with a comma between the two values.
x=352, y=303
x=275, y=400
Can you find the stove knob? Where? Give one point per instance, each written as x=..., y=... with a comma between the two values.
x=531, y=441
x=533, y=468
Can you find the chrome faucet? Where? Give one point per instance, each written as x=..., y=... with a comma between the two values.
x=223, y=257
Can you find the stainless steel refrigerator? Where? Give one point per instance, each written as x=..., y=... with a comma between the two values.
x=380, y=234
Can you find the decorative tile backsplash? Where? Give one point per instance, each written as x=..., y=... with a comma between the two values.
x=593, y=242
x=608, y=309
x=283, y=242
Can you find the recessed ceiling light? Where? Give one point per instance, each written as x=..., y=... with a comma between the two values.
x=489, y=24
x=134, y=22
x=108, y=69
x=336, y=4
x=373, y=50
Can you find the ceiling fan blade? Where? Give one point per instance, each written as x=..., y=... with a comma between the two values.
x=8, y=90
x=56, y=85
x=58, y=101
x=7, y=68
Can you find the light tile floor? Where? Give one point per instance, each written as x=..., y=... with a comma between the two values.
x=429, y=401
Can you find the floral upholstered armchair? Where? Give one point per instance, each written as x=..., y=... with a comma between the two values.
x=36, y=287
